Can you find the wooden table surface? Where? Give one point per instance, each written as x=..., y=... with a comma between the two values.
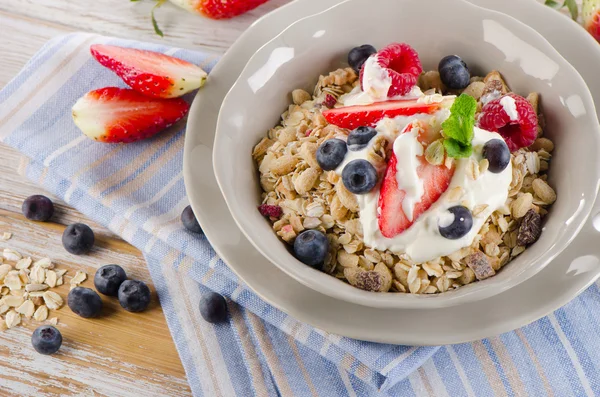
x=122, y=354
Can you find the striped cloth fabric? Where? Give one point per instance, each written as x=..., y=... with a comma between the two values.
x=137, y=191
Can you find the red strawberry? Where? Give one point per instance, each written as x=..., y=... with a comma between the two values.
x=436, y=179
x=351, y=117
x=150, y=73
x=115, y=115
x=591, y=17
x=403, y=66
x=518, y=133
x=219, y=9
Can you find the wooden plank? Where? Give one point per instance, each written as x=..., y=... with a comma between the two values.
x=127, y=19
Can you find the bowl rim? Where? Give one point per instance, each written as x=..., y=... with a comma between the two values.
x=475, y=291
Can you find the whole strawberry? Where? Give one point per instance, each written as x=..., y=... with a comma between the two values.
x=118, y=115
x=219, y=9
x=591, y=17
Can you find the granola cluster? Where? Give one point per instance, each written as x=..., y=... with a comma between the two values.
x=311, y=198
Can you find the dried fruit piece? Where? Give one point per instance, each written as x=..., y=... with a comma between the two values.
x=273, y=211
x=530, y=229
x=377, y=280
x=479, y=263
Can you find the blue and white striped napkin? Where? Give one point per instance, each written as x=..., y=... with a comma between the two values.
x=137, y=191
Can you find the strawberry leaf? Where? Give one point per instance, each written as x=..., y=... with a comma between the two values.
x=549, y=3
x=154, y=23
x=458, y=128
x=573, y=8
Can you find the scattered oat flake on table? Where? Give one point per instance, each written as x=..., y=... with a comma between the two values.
x=27, y=309
x=53, y=300
x=41, y=313
x=11, y=255
x=6, y=236
x=12, y=319
x=44, y=263
x=51, y=278
x=13, y=281
x=78, y=278
x=53, y=321
x=23, y=263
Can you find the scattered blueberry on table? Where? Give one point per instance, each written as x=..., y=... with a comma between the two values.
x=498, y=155
x=46, y=339
x=38, y=208
x=189, y=220
x=359, y=176
x=134, y=295
x=109, y=278
x=461, y=224
x=359, y=55
x=331, y=153
x=78, y=239
x=213, y=308
x=84, y=302
x=311, y=247
x=454, y=72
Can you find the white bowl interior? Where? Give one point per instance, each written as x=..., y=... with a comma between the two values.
x=486, y=40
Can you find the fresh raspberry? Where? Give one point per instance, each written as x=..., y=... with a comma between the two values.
x=329, y=101
x=403, y=65
x=273, y=211
x=518, y=133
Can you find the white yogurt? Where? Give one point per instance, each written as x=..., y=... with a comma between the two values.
x=422, y=241
x=376, y=80
x=407, y=148
x=510, y=107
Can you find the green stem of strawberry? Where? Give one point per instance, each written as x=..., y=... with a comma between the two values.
x=154, y=23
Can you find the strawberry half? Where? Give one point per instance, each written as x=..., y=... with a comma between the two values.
x=591, y=17
x=115, y=115
x=352, y=117
x=436, y=179
x=219, y=9
x=150, y=73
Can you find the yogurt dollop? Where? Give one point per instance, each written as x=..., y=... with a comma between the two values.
x=422, y=241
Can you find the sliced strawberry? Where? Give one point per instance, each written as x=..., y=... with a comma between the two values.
x=219, y=9
x=352, y=117
x=150, y=73
x=590, y=13
x=116, y=115
x=436, y=179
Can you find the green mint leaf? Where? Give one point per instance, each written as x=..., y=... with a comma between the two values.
x=458, y=128
x=456, y=149
x=551, y=4
x=573, y=8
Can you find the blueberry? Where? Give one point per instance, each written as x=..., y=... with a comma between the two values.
x=454, y=72
x=134, y=296
x=38, y=208
x=46, y=339
x=78, y=239
x=359, y=176
x=360, y=137
x=84, y=302
x=311, y=247
x=189, y=220
x=213, y=308
x=462, y=222
x=108, y=279
x=331, y=154
x=358, y=55
x=497, y=153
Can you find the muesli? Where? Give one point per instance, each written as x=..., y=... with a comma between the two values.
x=396, y=180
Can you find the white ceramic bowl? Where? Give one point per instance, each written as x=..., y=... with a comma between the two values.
x=487, y=40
